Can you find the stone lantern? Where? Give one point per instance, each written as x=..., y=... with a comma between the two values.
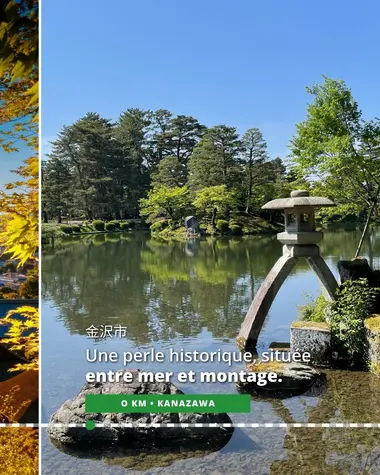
x=299, y=239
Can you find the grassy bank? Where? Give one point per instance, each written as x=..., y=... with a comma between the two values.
x=237, y=225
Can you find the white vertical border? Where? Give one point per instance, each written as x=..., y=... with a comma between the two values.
x=39, y=237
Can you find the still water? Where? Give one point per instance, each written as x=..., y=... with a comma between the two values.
x=193, y=296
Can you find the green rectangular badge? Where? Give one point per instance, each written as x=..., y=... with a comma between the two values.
x=159, y=403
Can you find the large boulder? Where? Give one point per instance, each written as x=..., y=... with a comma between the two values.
x=73, y=412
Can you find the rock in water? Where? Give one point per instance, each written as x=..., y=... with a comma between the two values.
x=293, y=379
x=73, y=412
x=313, y=338
x=355, y=269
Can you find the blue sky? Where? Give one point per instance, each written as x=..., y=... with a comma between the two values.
x=244, y=63
x=11, y=161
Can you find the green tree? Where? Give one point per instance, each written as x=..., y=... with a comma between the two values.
x=184, y=133
x=57, y=189
x=169, y=172
x=165, y=202
x=160, y=124
x=100, y=178
x=254, y=155
x=212, y=200
x=215, y=159
x=338, y=147
x=131, y=132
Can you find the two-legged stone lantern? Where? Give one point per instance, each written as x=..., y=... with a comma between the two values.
x=300, y=240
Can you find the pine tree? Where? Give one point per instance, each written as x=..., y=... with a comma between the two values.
x=215, y=159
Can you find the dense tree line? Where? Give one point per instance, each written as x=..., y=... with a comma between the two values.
x=156, y=163
x=159, y=165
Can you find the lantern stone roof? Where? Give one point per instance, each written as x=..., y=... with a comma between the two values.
x=299, y=198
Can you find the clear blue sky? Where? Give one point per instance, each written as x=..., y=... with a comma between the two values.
x=244, y=63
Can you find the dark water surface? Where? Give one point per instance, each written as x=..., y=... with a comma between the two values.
x=193, y=296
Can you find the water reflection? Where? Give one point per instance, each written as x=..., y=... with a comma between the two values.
x=193, y=295
x=162, y=290
x=145, y=458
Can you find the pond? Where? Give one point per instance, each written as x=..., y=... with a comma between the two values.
x=194, y=296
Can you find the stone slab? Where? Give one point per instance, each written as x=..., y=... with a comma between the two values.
x=313, y=338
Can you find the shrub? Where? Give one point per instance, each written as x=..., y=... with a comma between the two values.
x=355, y=301
x=236, y=229
x=124, y=226
x=116, y=224
x=98, y=225
x=222, y=226
x=159, y=226
x=75, y=228
x=67, y=229
x=110, y=226
x=314, y=311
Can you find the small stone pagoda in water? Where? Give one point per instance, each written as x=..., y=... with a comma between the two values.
x=299, y=239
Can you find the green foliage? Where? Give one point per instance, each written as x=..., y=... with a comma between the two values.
x=159, y=226
x=213, y=200
x=110, y=226
x=67, y=229
x=116, y=224
x=102, y=170
x=170, y=173
x=98, y=225
x=215, y=159
x=51, y=230
x=254, y=155
x=125, y=226
x=165, y=202
x=236, y=229
x=337, y=146
x=222, y=226
x=342, y=213
x=131, y=223
x=347, y=314
x=75, y=228
x=314, y=311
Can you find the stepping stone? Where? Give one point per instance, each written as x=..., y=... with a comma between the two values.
x=292, y=378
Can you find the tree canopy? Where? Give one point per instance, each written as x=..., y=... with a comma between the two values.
x=106, y=170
